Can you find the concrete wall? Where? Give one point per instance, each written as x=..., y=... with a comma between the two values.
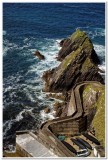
x=22, y=152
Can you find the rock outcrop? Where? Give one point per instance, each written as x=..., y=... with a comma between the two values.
x=62, y=42
x=76, y=40
x=79, y=63
x=39, y=55
x=47, y=110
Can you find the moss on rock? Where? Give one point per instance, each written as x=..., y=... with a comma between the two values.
x=86, y=65
x=77, y=35
x=99, y=119
x=77, y=64
x=66, y=62
x=94, y=98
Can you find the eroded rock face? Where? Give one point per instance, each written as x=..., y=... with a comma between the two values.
x=79, y=64
x=62, y=42
x=76, y=40
x=47, y=78
x=60, y=109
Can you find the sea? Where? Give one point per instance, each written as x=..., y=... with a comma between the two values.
x=28, y=27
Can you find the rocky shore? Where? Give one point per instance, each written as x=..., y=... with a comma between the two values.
x=79, y=64
x=79, y=107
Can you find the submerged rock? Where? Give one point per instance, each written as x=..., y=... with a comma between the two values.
x=39, y=55
x=77, y=66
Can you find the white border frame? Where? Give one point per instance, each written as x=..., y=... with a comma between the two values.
x=1, y=66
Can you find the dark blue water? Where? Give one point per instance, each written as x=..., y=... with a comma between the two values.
x=28, y=27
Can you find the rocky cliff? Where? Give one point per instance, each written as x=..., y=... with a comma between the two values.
x=73, y=42
x=79, y=63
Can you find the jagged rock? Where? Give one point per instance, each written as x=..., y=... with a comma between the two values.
x=62, y=42
x=76, y=67
x=47, y=110
x=47, y=78
x=39, y=55
x=76, y=40
x=58, y=105
x=58, y=112
x=59, y=96
x=60, y=108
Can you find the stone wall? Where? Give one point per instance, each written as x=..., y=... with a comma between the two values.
x=69, y=127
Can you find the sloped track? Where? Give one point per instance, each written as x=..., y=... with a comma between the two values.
x=46, y=135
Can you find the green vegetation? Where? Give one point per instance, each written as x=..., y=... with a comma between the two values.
x=77, y=34
x=99, y=119
x=86, y=65
x=88, y=45
x=83, y=44
x=67, y=61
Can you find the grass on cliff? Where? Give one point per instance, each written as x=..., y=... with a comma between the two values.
x=77, y=34
x=67, y=61
x=99, y=119
x=86, y=65
x=84, y=44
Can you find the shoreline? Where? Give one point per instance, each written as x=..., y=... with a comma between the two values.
x=79, y=57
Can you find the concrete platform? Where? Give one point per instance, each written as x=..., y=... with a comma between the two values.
x=28, y=145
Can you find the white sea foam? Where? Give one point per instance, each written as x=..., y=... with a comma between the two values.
x=4, y=33
x=7, y=125
x=8, y=46
x=19, y=116
x=102, y=67
x=33, y=83
x=100, y=50
x=46, y=116
x=99, y=32
x=95, y=32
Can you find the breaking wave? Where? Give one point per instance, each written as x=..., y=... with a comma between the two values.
x=23, y=97
x=22, y=90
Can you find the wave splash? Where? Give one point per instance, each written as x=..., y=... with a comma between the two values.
x=22, y=93
x=22, y=90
